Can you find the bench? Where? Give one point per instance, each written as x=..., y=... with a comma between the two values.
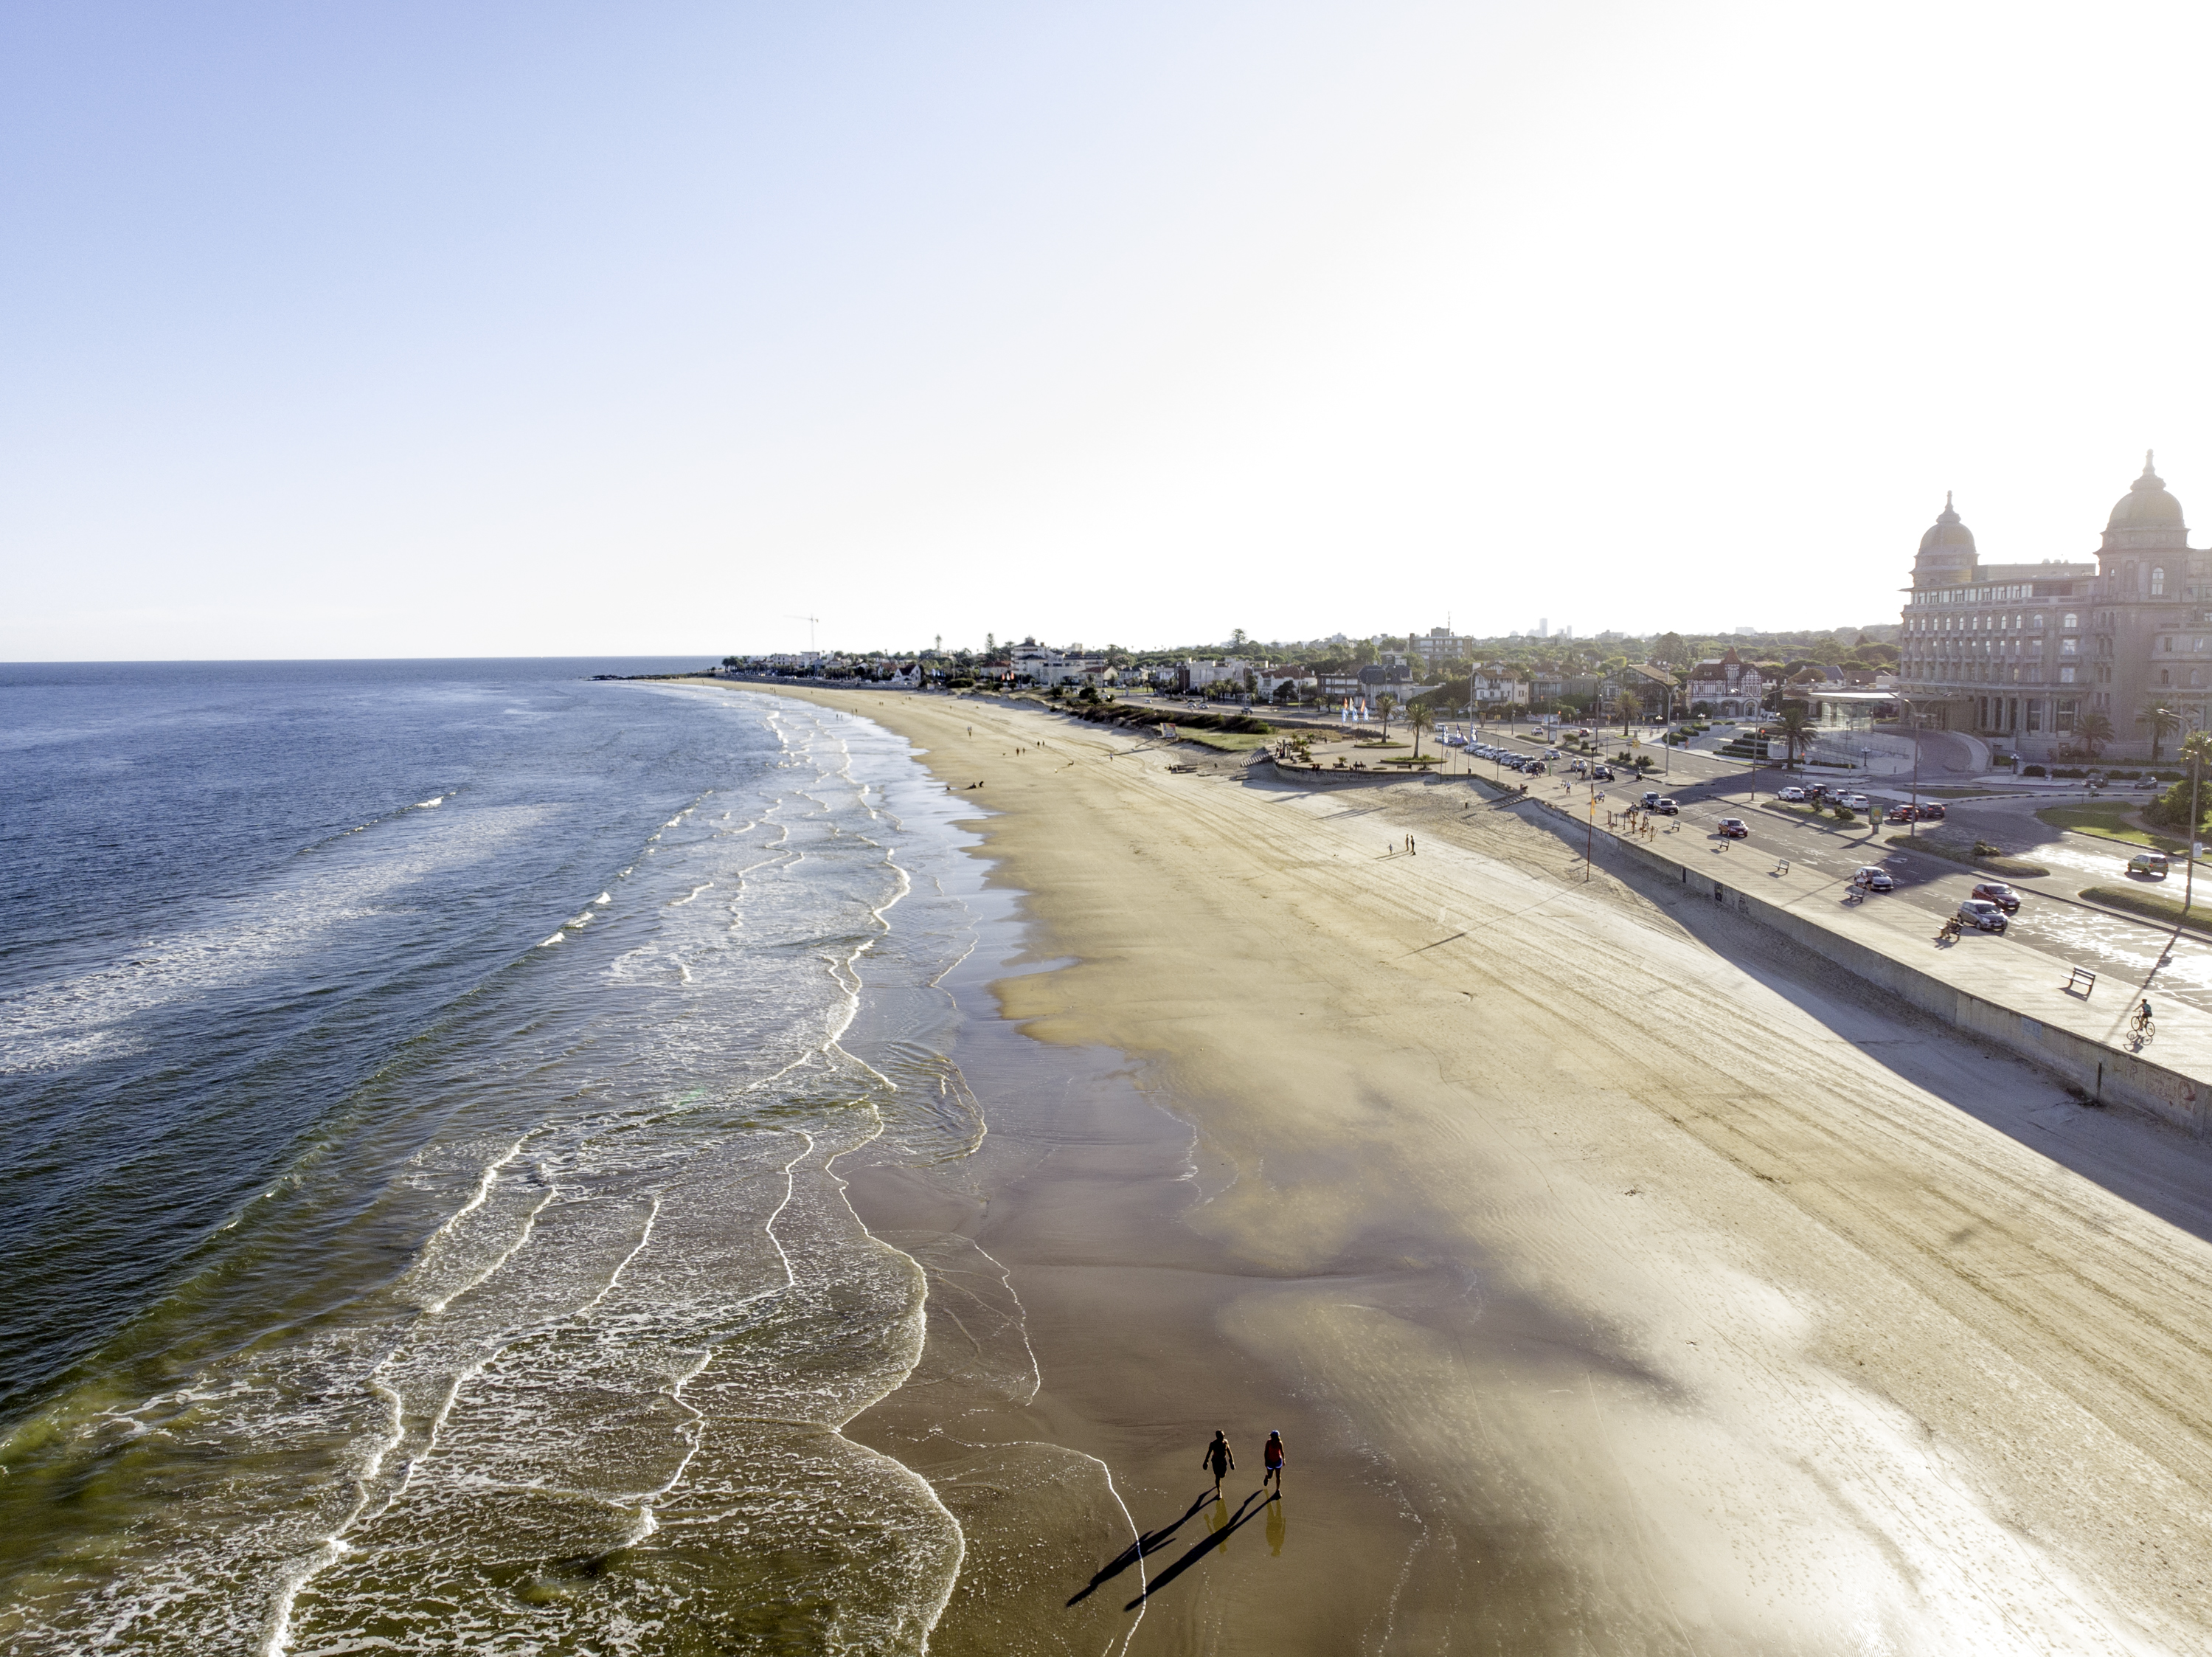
x=2083, y=981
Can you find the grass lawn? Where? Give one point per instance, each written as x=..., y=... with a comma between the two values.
x=1226, y=742
x=2155, y=906
x=1959, y=852
x=2113, y=822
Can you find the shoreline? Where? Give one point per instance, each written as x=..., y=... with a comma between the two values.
x=1588, y=1318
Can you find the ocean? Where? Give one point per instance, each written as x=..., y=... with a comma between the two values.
x=423, y=1083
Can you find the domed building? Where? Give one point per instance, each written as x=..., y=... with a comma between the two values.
x=2024, y=655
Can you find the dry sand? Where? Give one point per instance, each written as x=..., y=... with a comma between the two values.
x=1621, y=1282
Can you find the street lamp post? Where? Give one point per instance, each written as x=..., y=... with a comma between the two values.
x=2189, y=880
x=1912, y=736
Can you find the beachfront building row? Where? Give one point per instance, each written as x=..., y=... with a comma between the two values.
x=2029, y=652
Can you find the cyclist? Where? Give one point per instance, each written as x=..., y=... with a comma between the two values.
x=2142, y=1014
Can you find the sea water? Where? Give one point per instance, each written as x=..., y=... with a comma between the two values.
x=423, y=1084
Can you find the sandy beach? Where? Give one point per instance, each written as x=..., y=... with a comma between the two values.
x=1620, y=1280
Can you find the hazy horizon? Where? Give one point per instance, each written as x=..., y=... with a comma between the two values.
x=546, y=332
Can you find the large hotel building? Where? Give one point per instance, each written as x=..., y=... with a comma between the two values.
x=2023, y=653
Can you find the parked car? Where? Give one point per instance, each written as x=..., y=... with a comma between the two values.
x=1982, y=915
x=2149, y=864
x=1898, y=815
x=1665, y=808
x=1577, y=765
x=1997, y=892
x=1536, y=768
x=1601, y=773
x=1931, y=812
x=1856, y=802
x=1732, y=828
x=1795, y=797
x=1649, y=802
x=1551, y=753
x=1871, y=879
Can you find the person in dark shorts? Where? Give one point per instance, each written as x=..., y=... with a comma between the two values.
x=1218, y=1457
x=1273, y=1455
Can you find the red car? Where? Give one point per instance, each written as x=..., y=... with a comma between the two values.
x=1997, y=892
x=1732, y=828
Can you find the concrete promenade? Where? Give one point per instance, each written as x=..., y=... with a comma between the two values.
x=2018, y=999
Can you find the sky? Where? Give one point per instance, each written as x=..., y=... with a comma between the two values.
x=548, y=329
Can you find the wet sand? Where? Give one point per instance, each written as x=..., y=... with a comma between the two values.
x=1621, y=1281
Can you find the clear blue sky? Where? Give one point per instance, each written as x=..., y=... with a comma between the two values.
x=401, y=329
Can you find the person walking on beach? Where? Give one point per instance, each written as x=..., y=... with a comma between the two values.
x=1273, y=1455
x=1219, y=1457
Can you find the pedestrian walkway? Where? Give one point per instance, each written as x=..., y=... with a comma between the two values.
x=2021, y=997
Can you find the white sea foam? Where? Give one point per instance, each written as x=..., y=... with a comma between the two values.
x=68, y=1020
x=640, y=1313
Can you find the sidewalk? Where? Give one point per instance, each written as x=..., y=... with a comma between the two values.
x=2015, y=997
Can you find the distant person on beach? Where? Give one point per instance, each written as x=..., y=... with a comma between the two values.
x=1219, y=1457
x=1273, y=1457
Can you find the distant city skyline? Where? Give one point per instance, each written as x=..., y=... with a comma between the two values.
x=422, y=332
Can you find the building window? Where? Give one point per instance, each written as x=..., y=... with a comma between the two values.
x=2071, y=623
x=2062, y=716
x=2158, y=581
x=2167, y=645
x=2067, y=647
x=2036, y=622
x=2034, y=715
x=2065, y=675
x=2165, y=676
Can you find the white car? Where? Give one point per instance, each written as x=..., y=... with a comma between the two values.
x=1795, y=797
x=1874, y=880
x=1855, y=801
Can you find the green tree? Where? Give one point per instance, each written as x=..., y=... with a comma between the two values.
x=1238, y=638
x=1628, y=702
x=2094, y=731
x=1384, y=704
x=2163, y=722
x=1420, y=716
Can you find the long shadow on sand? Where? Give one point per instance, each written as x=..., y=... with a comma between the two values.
x=1146, y=1545
x=2157, y=1168
x=1245, y=1514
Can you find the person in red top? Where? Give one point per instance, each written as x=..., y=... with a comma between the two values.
x=1274, y=1456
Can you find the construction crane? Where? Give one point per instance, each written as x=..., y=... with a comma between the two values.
x=811, y=622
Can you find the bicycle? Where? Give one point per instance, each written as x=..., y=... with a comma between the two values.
x=2141, y=1028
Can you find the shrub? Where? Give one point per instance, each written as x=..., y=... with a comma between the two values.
x=1844, y=814
x=2171, y=809
x=2031, y=770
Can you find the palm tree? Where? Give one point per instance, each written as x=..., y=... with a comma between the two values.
x=1626, y=702
x=1797, y=728
x=2163, y=723
x=1420, y=716
x=1384, y=704
x=2094, y=730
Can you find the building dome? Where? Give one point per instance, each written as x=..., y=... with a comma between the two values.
x=1947, y=534
x=2146, y=505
